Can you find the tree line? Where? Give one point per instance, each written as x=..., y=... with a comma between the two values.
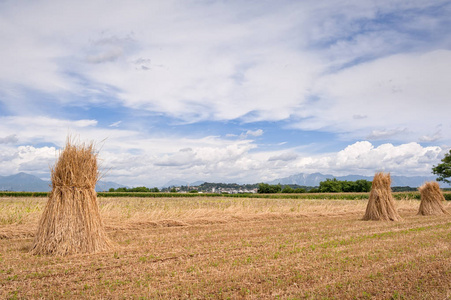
x=328, y=186
x=139, y=189
x=265, y=188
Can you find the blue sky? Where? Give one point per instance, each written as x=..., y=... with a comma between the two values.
x=233, y=91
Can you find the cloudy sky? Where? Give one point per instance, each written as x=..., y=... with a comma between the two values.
x=231, y=91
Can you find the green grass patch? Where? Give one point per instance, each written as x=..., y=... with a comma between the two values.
x=315, y=196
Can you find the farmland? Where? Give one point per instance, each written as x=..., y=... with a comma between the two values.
x=234, y=248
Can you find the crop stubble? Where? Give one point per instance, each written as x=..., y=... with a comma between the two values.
x=234, y=248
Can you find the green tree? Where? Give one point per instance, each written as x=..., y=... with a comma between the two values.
x=287, y=189
x=348, y=186
x=362, y=185
x=276, y=188
x=314, y=190
x=139, y=189
x=264, y=188
x=338, y=186
x=443, y=170
x=330, y=186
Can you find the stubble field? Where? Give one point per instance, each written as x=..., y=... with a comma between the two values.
x=234, y=248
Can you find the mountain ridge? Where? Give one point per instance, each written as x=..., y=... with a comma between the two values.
x=23, y=182
x=29, y=183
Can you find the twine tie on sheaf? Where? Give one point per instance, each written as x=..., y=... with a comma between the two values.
x=74, y=187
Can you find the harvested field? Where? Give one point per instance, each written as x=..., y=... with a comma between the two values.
x=234, y=248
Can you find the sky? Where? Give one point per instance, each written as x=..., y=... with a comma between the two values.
x=226, y=91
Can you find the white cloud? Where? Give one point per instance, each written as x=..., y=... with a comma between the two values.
x=385, y=134
x=315, y=65
x=184, y=158
x=107, y=56
x=431, y=138
x=286, y=156
x=27, y=159
x=115, y=124
x=363, y=158
x=10, y=139
x=216, y=160
x=155, y=161
x=44, y=130
x=403, y=97
x=219, y=65
x=254, y=133
x=233, y=60
x=203, y=159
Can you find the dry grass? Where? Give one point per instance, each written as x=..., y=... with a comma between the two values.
x=230, y=248
x=431, y=200
x=381, y=205
x=71, y=222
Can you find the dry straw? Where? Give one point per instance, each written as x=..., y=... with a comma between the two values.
x=71, y=221
x=431, y=200
x=381, y=205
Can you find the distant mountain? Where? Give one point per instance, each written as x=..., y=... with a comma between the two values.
x=302, y=179
x=29, y=183
x=176, y=182
x=23, y=182
x=315, y=178
x=104, y=186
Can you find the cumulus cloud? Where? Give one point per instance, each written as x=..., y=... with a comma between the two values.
x=233, y=161
x=214, y=159
x=364, y=158
x=27, y=159
x=202, y=159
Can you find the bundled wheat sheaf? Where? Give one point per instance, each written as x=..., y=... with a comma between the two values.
x=431, y=200
x=381, y=205
x=71, y=221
